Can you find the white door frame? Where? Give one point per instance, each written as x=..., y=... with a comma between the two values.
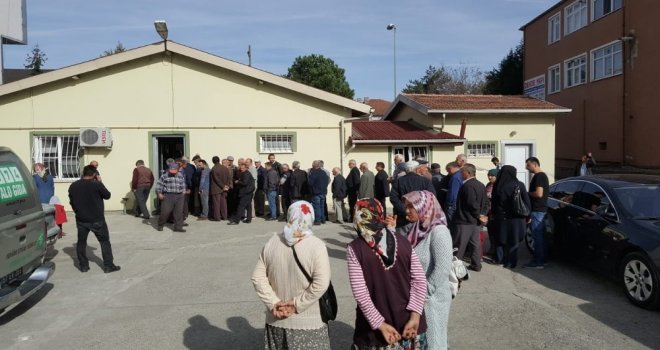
x=530, y=143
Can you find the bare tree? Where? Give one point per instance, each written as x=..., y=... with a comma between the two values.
x=459, y=80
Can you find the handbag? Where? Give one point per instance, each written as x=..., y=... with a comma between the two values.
x=328, y=301
x=519, y=207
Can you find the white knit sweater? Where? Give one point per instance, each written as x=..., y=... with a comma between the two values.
x=277, y=277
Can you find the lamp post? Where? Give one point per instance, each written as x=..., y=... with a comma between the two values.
x=392, y=27
x=161, y=29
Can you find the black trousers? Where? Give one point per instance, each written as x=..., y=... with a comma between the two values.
x=244, y=207
x=102, y=234
x=352, y=198
x=172, y=204
x=468, y=234
x=141, y=196
x=259, y=202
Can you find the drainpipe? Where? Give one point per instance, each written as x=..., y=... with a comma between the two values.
x=342, y=135
x=623, y=97
x=444, y=117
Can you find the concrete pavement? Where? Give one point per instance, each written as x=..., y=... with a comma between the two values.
x=193, y=291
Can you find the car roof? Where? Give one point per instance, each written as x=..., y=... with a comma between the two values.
x=620, y=180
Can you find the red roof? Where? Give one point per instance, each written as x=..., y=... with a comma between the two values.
x=481, y=102
x=379, y=106
x=379, y=130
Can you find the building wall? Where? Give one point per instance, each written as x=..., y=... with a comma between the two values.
x=612, y=117
x=219, y=111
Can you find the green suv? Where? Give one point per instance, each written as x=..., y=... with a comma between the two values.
x=23, y=233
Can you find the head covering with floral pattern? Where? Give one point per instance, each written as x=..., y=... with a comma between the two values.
x=300, y=218
x=429, y=212
x=369, y=223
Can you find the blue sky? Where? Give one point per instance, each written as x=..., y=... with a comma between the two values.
x=352, y=33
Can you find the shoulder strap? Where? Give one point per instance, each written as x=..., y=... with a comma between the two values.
x=295, y=256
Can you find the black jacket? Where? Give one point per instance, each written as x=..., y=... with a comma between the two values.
x=382, y=186
x=298, y=184
x=272, y=180
x=86, y=198
x=245, y=183
x=403, y=185
x=353, y=181
x=471, y=203
x=318, y=182
x=339, y=187
x=503, y=199
x=261, y=177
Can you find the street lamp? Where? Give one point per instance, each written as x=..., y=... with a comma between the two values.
x=392, y=27
x=161, y=29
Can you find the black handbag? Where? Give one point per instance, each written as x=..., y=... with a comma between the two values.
x=328, y=301
x=519, y=207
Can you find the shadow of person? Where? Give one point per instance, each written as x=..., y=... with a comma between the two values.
x=245, y=336
x=341, y=335
x=201, y=335
x=71, y=251
x=26, y=305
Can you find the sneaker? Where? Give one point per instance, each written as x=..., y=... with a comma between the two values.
x=112, y=268
x=179, y=230
x=247, y=221
x=84, y=268
x=159, y=228
x=533, y=265
x=232, y=223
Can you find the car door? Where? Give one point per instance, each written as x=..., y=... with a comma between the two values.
x=566, y=238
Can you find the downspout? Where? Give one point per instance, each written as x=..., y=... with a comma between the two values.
x=623, y=97
x=342, y=135
x=444, y=117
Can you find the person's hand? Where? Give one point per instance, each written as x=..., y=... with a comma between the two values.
x=529, y=221
x=161, y=196
x=389, y=333
x=283, y=309
x=483, y=219
x=187, y=191
x=589, y=154
x=390, y=221
x=410, y=329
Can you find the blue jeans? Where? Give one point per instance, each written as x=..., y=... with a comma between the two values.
x=204, y=198
x=537, y=227
x=272, y=204
x=317, y=203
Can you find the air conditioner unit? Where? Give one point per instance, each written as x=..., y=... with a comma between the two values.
x=95, y=137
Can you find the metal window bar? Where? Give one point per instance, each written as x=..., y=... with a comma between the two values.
x=276, y=143
x=481, y=150
x=60, y=155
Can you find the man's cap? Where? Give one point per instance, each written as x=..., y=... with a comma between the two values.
x=230, y=158
x=184, y=159
x=421, y=161
x=257, y=160
x=435, y=166
x=493, y=172
x=173, y=167
x=402, y=166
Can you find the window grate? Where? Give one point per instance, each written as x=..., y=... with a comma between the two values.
x=282, y=143
x=60, y=155
x=481, y=150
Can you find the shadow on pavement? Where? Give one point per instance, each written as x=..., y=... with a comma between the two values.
x=71, y=251
x=26, y=305
x=201, y=335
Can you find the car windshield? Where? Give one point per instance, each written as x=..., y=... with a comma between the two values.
x=642, y=202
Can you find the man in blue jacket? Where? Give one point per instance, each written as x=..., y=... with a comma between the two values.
x=318, y=187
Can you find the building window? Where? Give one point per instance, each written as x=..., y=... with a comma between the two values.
x=607, y=61
x=412, y=152
x=481, y=149
x=554, y=84
x=576, y=16
x=601, y=8
x=276, y=143
x=554, y=28
x=59, y=153
x=576, y=71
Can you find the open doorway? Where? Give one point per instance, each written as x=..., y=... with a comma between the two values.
x=167, y=146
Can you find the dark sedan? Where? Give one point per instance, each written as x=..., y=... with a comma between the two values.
x=611, y=223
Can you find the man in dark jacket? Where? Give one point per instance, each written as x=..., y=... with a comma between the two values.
x=271, y=185
x=285, y=190
x=245, y=189
x=318, y=187
x=583, y=167
x=352, y=186
x=86, y=197
x=471, y=213
x=403, y=185
x=298, y=183
x=259, y=194
x=382, y=185
x=188, y=171
x=338, y=195
x=220, y=183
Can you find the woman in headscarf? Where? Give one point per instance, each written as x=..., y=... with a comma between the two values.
x=293, y=319
x=432, y=242
x=512, y=226
x=44, y=183
x=388, y=284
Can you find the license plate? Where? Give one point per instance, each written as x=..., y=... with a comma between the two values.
x=11, y=277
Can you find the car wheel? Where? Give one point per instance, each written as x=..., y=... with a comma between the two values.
x=549, y=231
x=640, y=281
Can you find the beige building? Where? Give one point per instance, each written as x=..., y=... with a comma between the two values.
x=438, y=127
x=161, y=101
x=599, y=58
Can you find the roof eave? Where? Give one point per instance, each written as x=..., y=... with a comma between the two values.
x=541, y=15
x=501, y=111
x=357, y=142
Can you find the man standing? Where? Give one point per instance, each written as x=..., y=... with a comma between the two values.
x=270, y=187
x=584, y=166
x=95, y=165
x=245, y=189
x=471, y=212
x=403, y=185
x=171, y=189
x=204, y=189
x=398, y=161
x=318, y=186
x=232, y=195
x=538, y=196
x=259, y=194
x=381, y=185
x=220, y=183
x=188, y=171
x=460, y=160
x=277, y=166
x=367, y=182
x=285, y=190
x=298, y=184
x=86, y=198
x=141, y=184
x=454, y=185
x=338, y=195
x=352, y=186
x=436, y=179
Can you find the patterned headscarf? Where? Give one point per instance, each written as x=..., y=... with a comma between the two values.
x=369, y=224
x=429, y=212
x=300, y=218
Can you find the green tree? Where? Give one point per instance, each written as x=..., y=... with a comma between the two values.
x=507, y=78
x=320, y=72
x=35, y=60
x=119, y=48
x=444, y=80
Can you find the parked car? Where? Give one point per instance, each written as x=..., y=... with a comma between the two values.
x=23, y=233
x=611, y=224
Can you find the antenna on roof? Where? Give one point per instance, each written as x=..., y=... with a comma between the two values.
x=249, y=53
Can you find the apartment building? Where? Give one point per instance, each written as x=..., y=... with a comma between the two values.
x=600, y=59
